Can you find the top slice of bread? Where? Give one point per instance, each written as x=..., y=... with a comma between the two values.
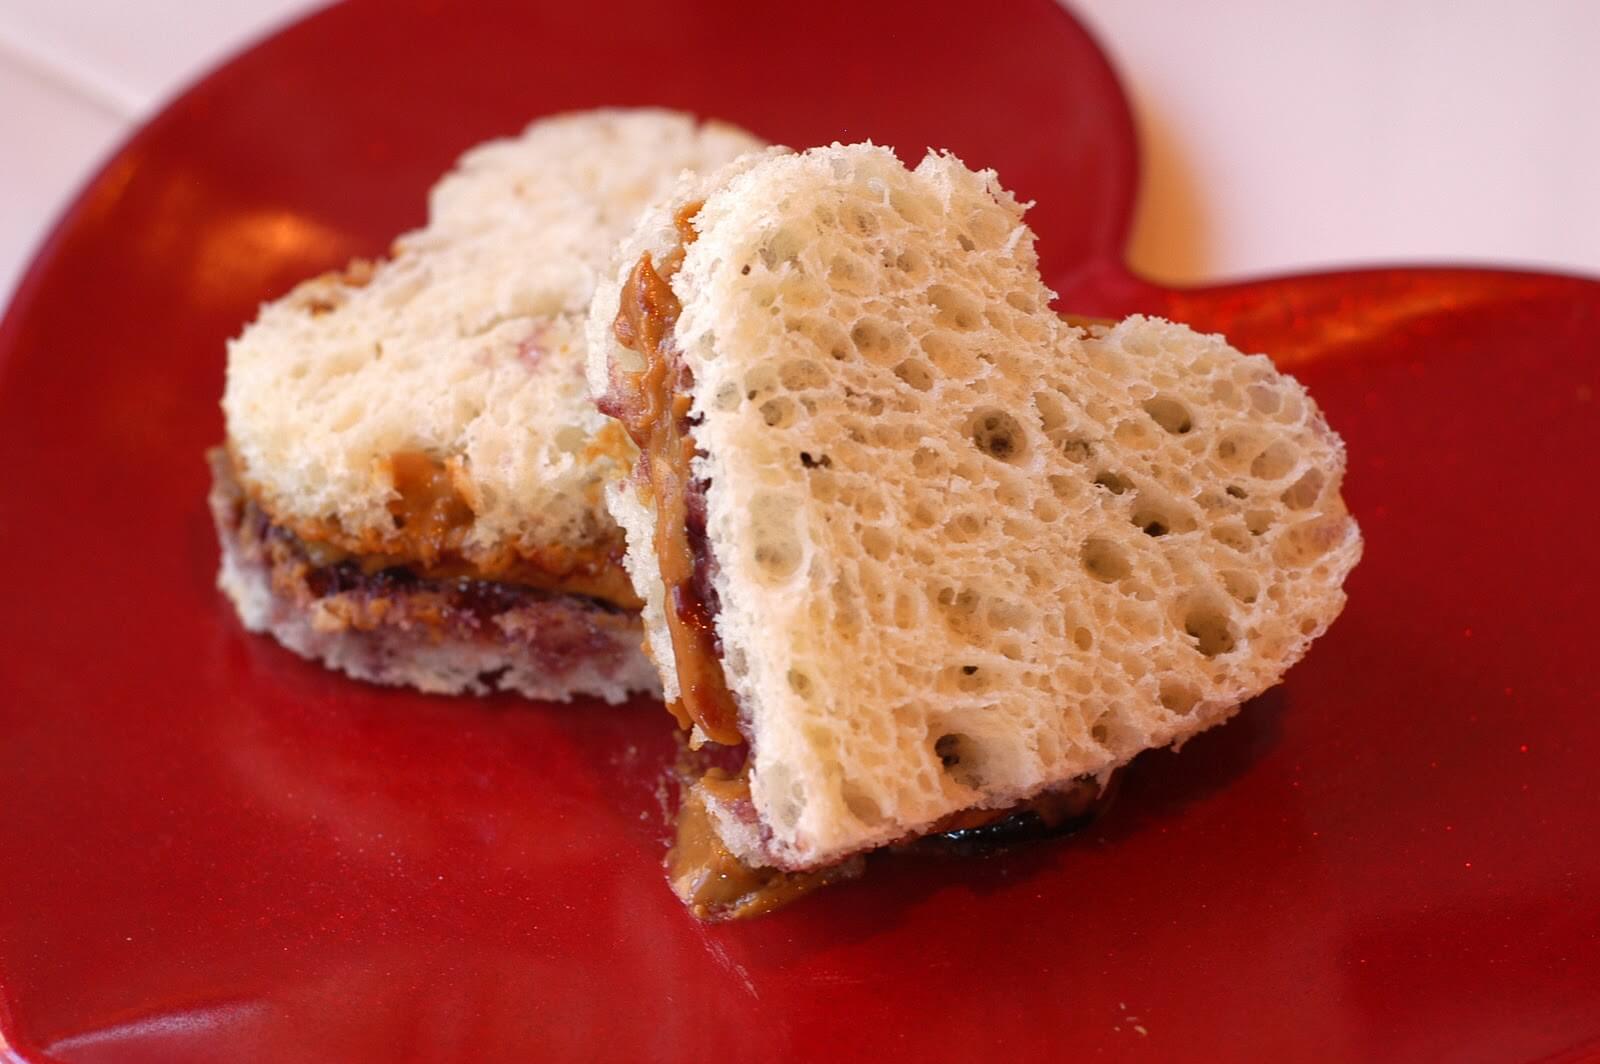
x=966, y=552
x=467, y=345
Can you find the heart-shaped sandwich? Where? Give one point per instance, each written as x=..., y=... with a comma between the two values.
x=932, y=553
x=410, y=490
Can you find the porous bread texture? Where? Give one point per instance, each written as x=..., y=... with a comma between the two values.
x=965, y=551
x=467, y=344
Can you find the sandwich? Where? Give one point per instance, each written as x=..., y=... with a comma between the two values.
x=410, y=486
x=917, y=555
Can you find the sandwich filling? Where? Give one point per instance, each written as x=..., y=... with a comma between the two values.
x=653, y=406
x=432, y=519
x=432, y=626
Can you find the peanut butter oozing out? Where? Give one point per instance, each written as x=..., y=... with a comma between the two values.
x=711, y=880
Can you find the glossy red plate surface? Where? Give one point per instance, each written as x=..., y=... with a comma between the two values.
x=210, y=850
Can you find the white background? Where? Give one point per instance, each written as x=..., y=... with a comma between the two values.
x=1277, y=135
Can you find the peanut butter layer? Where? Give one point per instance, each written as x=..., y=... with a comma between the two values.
x=653, y=406
x=432, y=520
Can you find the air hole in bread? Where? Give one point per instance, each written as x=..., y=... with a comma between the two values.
x=1075, y=450
x=1237, y=448
x=778, y=412
x=1082, y=638
x=1235, y=491
x=1105, y=561
x=877, y=341
x=1304, y=493
x=815, y=461
x=1115, y=483
x=798, y=375
x=925, y=460
x=1309, y=626
x=956, y=309
x=1275, y=462
x=915, y=374
x=1265, y=398
x=774, y=542
x=877, y=543
x=1257, y=521
x=960, y=608
x=998, y=435
x=1067, y=489
x=849, y=274
x=1241, y=585
x=1022, y=301
x=1170, y=414
x=966, y=242
x=1156, y=517
x=960, y=757
x=1207, y=623
x=800, y=683
x=862, y=805
x=1233, y=536
x=1178, y=696
x=1099, y=733
x=912, y=263
x=967, y=679
x=760, y=381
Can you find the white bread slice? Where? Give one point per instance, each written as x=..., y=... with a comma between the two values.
x=466, y=346
x=965, y=552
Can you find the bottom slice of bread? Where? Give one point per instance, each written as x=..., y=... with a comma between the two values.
x=441, y=636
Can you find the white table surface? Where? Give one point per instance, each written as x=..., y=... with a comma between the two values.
x=1277, y=135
